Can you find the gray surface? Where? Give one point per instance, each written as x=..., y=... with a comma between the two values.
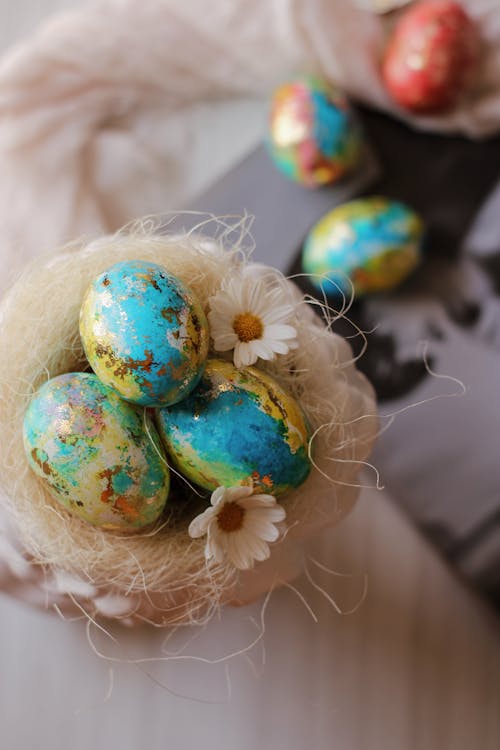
x=441, y=459
x=283, y=211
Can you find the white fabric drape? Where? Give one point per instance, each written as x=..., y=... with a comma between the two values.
x=91, y=107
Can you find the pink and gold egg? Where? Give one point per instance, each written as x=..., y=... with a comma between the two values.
x=431, y=56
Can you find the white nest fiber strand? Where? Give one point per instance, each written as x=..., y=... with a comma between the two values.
x=162, y=576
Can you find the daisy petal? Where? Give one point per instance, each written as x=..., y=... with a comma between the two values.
x=264, y=516
x=220, y=313
x=254, y=296
x=280, y=331
x=262, y=530
x=259, y=501
x=236, y=554
x=270, y=533
x=216, y=547
x=274, y=515
x=218, y=495
x=199, y=525
x=244, y=355
x=260, y=549
x=242, y=542
x=262, y=349
x=278, y=314
x=221, y=306
x=225, y=341
x=280, y=347
x=237, y=493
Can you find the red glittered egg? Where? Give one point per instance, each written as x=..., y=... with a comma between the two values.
x=431, y=56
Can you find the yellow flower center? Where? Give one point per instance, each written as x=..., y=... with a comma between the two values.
x=230, y=518
x=248, y=327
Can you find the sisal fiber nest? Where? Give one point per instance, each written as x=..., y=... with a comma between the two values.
x=162, y=576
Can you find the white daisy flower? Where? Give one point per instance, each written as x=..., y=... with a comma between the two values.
x=239, y=526
x=251, y=318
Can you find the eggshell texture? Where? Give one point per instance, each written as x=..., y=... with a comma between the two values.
x=238, y=427
x=144, y=333
x=94, y=454
x=431, y=56
x=313, y=137
x=366, y=245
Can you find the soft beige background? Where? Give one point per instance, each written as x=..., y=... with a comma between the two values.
x=417, y=667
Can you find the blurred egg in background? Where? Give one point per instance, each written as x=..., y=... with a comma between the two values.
x=364, y=246
x=313, y=136
x=431, y=56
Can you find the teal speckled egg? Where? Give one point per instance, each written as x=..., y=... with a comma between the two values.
x=144, y=333
x=372, y=243
x=238, y=427
x=93, y=453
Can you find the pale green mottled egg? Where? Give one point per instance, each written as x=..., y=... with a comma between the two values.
x=238, y=427
x=144, y=333
x=94, y=453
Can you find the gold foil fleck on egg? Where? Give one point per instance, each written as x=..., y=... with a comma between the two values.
x=415, y=61
x=340, y=234
x=288, y=130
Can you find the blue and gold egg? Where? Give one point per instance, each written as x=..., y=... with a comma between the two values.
x=144, y=333
x=238, y=427
x=367, y=245
x=98, y=456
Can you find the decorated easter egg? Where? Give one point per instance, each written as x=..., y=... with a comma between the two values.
x=238, y=427
x=144, y=333
x=366, y=245
x=99, y=456
x=431, y=56
x=313, y=137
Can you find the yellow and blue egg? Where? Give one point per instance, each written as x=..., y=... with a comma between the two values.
x=238, y=427
x=144, y=333
x=367, y=245
x=99, y=456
